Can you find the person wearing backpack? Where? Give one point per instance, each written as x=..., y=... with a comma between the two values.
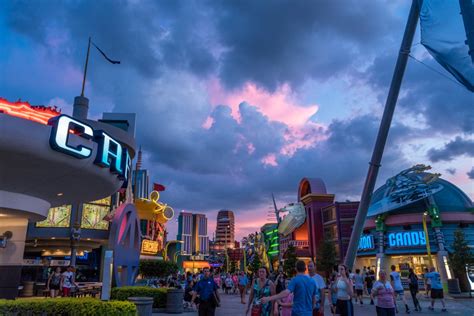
x=261, y=288
x=54, y=281
x=413, y=279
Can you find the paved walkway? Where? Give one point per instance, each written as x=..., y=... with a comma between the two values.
x=231, y=306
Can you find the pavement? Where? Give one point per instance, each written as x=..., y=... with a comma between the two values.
x=231, y=306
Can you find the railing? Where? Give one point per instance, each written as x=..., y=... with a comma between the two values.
x=299, y=243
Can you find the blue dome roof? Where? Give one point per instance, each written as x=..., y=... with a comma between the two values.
x=449, y=199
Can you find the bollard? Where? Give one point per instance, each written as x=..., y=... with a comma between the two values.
x=144, y=305
x=174, y=301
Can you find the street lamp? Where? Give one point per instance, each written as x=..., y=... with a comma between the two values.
x=178, y=253
x=165, y=251
x=428, y=248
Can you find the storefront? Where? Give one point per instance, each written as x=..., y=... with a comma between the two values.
x=50, y=160
x=411, y=224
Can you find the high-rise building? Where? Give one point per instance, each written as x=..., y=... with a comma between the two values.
x=225, y=227
x=201, y=240
x=192, y=230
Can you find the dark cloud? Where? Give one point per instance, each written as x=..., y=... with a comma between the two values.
x=470, y=174
x=453, y=149
x=451, y=171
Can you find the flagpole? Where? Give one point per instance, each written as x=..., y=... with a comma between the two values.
x=85, y=67
x=390, y=104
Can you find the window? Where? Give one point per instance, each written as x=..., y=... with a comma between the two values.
x=329, y=215
x=93, y=214
x=57, y=217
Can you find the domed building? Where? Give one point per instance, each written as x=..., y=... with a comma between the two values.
x=411, y=223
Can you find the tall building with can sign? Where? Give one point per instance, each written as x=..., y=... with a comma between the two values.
x=225, y=235
x=192, y=230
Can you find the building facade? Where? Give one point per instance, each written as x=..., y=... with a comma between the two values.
x=192, y=230
x=225, y=230
x=419, y=234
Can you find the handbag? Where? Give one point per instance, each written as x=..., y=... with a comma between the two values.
x=256, y=310
x=215, y=299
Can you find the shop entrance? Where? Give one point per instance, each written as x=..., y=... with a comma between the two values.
x=417, y=262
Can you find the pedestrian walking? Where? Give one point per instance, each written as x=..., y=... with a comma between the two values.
x=206, y=289
x=228, y=284
x=344, y=292
x=398, y=287
x=67, y=281
x=319, y=307
x=427, y=283
x=436, y=288
x=286, y=303
x=333, y=293
x=413, y=279
x=261, y=288
x=369, y=283
x=243, y=283
x=304, y=289
x=385, y=296
x=359, y=286
x=280, y=282
x=54, y=282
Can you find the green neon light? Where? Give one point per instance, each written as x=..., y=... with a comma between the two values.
x=273, y=245
x=275, y=237
x=273, y=252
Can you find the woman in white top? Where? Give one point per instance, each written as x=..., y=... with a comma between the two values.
x=344, y=293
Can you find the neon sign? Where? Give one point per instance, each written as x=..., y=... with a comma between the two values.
x=366, y=242
x=39, y=114
x=407, y=239
x=111, y=154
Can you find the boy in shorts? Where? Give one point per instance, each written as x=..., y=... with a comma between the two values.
x=398, y=287
x=436, y=288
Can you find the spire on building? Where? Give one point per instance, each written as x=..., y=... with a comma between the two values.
x=138, y=166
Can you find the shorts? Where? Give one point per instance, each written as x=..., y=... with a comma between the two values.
x=318, y=312
x=385, y=311
x=66, y=291
x=359, y=292
x=344, y=307
x=437, y=293
x=400, y=292
x=369, y=290
x=54, y=286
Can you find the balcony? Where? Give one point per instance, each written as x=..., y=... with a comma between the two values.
x=299, y=243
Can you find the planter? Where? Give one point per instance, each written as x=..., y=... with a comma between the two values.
x=144, y=305
x=28, y=287
x=174, y=301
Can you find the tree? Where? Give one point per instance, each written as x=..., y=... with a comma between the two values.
x=233, y=266
x=460, y=257
x=289, y=266
x=255, y=264
x=157, y=268
x=326, y=257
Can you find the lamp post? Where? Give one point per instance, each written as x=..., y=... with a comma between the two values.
x=428, y=248
x=165, y=251
x=178, y=253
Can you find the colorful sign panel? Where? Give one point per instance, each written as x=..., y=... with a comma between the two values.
x=407, y=239
x=149, y=247
x=57, y=217
x=366, y=242
x=110, y=154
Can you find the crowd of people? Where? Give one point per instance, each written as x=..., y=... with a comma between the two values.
x=305, y=294
x=60, y=282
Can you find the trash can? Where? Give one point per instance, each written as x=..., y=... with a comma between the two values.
x=174, y=301
x=28, y=287
x=144, y=305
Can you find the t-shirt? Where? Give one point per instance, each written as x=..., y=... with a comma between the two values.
x=359, y=282
x=205, y=288
x=321, y=286
x=435, y=279
x=397, y=281
x=67, y=275
x=369, y=281
x=304, y=289
x=243, y=280
x=384, y=294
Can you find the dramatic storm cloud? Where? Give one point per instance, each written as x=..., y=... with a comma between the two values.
x=236, y=100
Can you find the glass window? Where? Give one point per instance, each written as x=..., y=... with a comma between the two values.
x=92, y=216
x=57, y=217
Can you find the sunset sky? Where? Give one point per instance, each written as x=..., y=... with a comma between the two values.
x=239, y=99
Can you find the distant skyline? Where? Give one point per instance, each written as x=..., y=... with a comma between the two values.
x=239, y=99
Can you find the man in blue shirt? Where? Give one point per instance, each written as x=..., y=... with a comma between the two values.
x=206, y=288
x=304, y=291
x=436, y=288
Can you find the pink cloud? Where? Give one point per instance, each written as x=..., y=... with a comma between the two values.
x=270, y=160
x=281, y=105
